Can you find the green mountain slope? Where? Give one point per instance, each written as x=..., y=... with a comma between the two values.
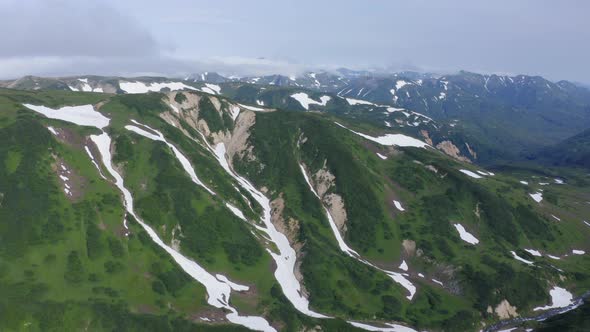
x=305, y=217
x=573, y=152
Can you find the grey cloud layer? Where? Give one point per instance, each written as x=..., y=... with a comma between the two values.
x=68, y=28
x=179, y=36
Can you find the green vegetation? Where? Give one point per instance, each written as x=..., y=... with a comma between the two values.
x=180, y=98
x=66, y=263
x=337, y=284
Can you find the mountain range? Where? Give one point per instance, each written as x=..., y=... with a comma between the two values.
x=344, y=201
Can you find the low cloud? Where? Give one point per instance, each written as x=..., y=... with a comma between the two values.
x=69, y=29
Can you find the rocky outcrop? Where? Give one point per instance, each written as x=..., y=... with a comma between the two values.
x=235, y=139
x=504, y=310
x=324, y=182
x=452, y=150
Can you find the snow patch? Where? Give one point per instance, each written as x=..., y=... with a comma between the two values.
x=471, y=174
x=140, y=87
x=352, y=102
x=52, y=130
x=465, y=235
x=391, y=139
x=94, y=161
x=520, y=258
x=400, y=84
x=560, y=298
x=214, y=87
x=83, y=115
x=537, y=197
x=385, y=157
x=252, y=108
x=236, y=211
x=305, y=100
x=403, y=265
x=578, y=252
x=533, y=252
x=390, y=327
x=398, y=205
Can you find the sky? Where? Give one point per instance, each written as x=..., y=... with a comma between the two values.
x=255, y=37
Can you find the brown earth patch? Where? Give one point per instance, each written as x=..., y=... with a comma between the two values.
x=451, y=150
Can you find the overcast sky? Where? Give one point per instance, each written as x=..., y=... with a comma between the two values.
x=177, y=37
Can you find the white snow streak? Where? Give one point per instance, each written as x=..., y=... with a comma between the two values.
x=398, y=205
x=352, y=101
x=385, y=157
x=520, y=258
x=534, y=252
x=236, y=211
x=470, y=173
x=465, y=235
x=52, y=130
x=94, y=162
x=214, y=87
x=252, y=108
x=390, y=328
x=391, y=139
x=141, y=87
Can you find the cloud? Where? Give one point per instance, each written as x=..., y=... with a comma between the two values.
x=156, y=65
x=70, y=28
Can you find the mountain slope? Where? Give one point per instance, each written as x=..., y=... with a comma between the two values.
x=574, y=151
x=163, y=198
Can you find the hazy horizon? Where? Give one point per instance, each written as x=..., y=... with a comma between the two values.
x=176, y=38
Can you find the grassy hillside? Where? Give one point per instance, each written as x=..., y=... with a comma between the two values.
x=66, y=262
